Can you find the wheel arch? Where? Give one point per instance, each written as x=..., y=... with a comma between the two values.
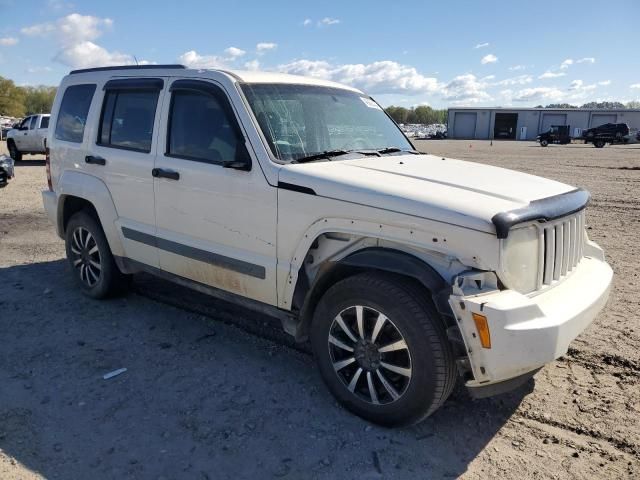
x=382, y=259
x=78, y=191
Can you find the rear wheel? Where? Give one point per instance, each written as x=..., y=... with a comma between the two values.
x=599, y=143
x=13, y=151
x=90, y=258
x=382, y=349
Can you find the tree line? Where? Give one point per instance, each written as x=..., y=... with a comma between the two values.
x=422, y=114
x=597, y=105
x=16, y=101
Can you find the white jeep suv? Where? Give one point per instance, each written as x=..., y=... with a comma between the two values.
x=29, y=137
x=302, y=199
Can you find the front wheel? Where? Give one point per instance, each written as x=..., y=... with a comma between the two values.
x=13, y=151
x=544, y=143
x=599, y=143
x=90, y=258
x=382, y=349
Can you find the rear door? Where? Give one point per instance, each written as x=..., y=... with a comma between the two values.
x=215, y=225
x=122, y=154
x=41, y=133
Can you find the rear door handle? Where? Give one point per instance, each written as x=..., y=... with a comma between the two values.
x=95, y=160
x=162, y=173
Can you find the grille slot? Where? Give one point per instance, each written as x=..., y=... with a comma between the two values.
x=562, y=247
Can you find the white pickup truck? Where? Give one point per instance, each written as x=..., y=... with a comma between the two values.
x=29, y=137
x=301, y=198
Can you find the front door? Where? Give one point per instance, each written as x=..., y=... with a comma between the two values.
x=21, y=138
x=215, y=225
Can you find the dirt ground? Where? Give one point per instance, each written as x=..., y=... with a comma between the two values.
x=213, y=391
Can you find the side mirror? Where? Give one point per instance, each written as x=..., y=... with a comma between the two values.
x=242, y=160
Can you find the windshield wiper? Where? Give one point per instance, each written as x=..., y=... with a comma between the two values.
x=318, y=156
x=327, y=154
x=396, y=150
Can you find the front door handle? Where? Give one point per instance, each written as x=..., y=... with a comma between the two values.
x=95, y=160
x=162, y=173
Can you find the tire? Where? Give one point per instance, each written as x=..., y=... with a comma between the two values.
x=13, y=151
x=599, y=143
x=425, y=371
x=92, y=265
x=544, y=143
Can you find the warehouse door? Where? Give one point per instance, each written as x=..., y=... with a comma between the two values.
x=464, y=125
x=598, y=119
x=505, y=126
x=549, y=119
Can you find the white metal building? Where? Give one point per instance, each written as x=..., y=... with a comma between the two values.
x=527, y=123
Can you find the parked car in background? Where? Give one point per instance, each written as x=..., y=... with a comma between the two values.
x=556, y=134
x=607, y=133
x=301, y=198
x=29, y=137
x=6, y=170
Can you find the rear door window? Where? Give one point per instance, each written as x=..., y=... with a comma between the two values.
x=127, y=119
x=74, y=109
x=32, y=125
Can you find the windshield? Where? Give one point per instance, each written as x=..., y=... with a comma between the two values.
x=303, y=120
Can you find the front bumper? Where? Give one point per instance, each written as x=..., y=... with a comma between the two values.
x=529, y=331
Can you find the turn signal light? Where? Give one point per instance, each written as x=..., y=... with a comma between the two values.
x=482, y=326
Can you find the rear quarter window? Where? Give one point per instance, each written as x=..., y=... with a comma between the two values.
x=72, y=116
x=44, y=123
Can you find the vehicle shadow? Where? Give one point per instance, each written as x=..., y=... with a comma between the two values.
x=28, y=162
x=200, y=398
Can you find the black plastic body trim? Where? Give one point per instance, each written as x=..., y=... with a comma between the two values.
x=501, y=387
x=129, y=67
x=296, y=188
x=142, y=83
x=240, y=266
x=542, y=210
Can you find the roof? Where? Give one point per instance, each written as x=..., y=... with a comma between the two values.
x=238, y=75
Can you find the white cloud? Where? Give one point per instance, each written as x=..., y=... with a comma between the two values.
x=491, y=58
x=264, y=47
x=488, y=77
x=8, y=41
x=234, y=52
x=75, y=35
x=193, y=59
x=548, y=74
x=328, y=21
x=377, y=77
x=586, y=60
x=568, y=62
x=635, y=86
x=517, y=67
x=252, y=65
x=307, y=22
x=38, y=69
x=605, y=83
x=519, y=80
x=88, y=54
x=576, y=84
x=466, y=89
x=538, y=93
x=482, y=45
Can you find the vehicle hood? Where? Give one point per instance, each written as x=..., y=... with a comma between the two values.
x=443, y=189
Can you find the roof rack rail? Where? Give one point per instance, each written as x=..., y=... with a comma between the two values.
x=128, y=67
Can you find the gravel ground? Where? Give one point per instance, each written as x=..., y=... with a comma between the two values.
x=213, y=391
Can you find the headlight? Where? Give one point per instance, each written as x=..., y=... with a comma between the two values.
x=520, y=259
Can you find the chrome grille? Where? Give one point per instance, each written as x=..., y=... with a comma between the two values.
x=561, y=247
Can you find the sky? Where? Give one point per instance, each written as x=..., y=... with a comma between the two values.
x=455, y=53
